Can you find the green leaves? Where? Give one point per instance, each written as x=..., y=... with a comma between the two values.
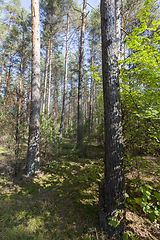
x=113, y=223
x=157, y=195
x=147, y=2
x=125, y=236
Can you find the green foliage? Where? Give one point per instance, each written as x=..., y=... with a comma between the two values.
x=48, y=131
x=141, y=86
x=148, y=200
x=60, y=202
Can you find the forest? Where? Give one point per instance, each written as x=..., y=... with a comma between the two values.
x=80, y=120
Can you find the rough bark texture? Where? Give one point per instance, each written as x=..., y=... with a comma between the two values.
x=65, y=83
x=33, y=158
x=112, y=189
x=81, y=53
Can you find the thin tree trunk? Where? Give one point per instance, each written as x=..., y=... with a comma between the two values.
x=112, y=189
x=91, y=91
x=20, y=97
x=70, y=106
x=85, y=100
x=28, y=99
x=21, y=82
x=33, y=158
x=65, y=84
x=4, y=54
x=10, y=70
x=49, y=81
x=6, y=82
x=21, y=67
x=81, y=53
x=56, y=95
x=45, y=78
x=17, y=137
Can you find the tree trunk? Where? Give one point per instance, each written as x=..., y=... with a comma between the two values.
x=20, y=99
x=85, y=100
x=10, y=70
x=6, y=82
x=4, y=55
x=49, y=81
x=81, y=53
x=56, y=94
x=45, y=77
x=28, y=99
x=33, y=158
x=112, y=189
x=65, y=84
x=70, y=105
x=91, y=90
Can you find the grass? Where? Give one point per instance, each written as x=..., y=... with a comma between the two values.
x=61, y=202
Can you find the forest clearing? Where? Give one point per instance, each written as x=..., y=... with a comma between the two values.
x=80, y=120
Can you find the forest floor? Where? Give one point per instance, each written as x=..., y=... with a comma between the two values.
x=61, y=202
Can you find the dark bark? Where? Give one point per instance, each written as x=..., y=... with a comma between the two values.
x=112, y=189
x=81, y=53
x=33, y=158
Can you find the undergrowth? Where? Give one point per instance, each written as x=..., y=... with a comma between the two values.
x=61, y=202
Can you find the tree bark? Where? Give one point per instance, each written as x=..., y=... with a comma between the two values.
x=112, y=189
x=10, y=70
x=49, y=81
x=91, y=90
x=33, y=158
x=65, y=83
x=45, y=77
x=56, y=95
x=4, y=54
x=81, y=53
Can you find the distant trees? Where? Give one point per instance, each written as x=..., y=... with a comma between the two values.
x=111, y=195
x=33, y=157
x=83, y=89
x=70, y=87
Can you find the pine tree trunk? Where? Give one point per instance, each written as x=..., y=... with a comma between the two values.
x=49, y=81
x=70, y=105
x=45, y=77
x=33, y=158
x=28, y=100
x=81, y=53
x=4, y=54
x=91, y=90
x=112, y=189
x=6, y=82
x=65, y=83
x=56, y=96
x=10, y=70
